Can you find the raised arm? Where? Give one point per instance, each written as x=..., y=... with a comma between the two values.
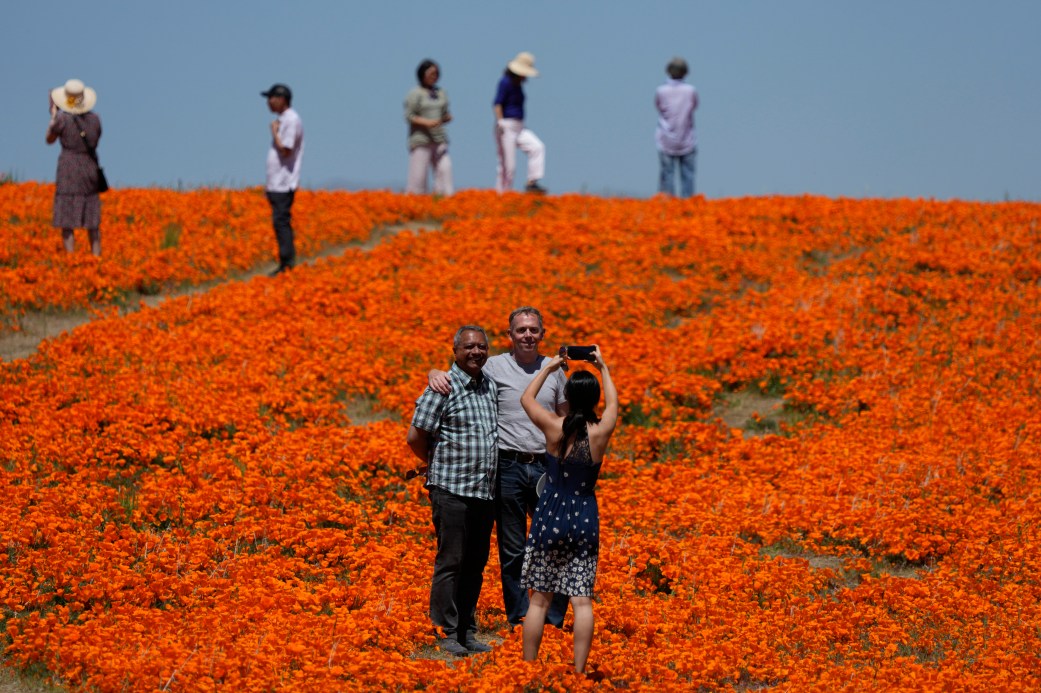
x=610, y=416
x=276, y=136
x=52, y=136
x=547, y=421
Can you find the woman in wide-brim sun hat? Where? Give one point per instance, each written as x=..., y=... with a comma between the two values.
x=523, y=65
x=76, y=201
x=510, y=133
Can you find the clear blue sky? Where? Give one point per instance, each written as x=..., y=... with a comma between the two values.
x=916, y=98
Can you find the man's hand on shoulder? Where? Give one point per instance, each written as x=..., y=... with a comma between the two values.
x=439, y=382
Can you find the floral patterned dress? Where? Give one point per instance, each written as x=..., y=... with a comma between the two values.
x=564, y=542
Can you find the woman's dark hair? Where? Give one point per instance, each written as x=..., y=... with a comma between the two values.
x=582, y=393
x=422, y=69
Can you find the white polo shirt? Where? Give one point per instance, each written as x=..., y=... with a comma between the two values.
x=283, y=173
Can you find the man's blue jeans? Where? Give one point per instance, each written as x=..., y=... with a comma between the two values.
x=667, y=173
x=515, y=502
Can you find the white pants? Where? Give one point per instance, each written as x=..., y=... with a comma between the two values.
x=511, y=135
x=433, y=156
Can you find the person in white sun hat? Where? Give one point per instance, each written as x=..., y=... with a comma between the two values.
x=78, y=128
x=510, y=133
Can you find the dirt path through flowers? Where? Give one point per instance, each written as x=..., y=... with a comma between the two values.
x=753, y=413
x=38, y=326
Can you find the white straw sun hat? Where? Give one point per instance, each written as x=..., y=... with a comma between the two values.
x=73, y=97
x=523, y=65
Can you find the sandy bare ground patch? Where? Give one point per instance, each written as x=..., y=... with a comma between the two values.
x=362, y=410
x=38, y=326
x=11, y=681
x=750, y=411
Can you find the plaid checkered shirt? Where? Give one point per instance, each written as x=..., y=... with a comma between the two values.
x=462, y=427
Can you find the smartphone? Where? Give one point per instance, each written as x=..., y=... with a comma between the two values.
x=578, y=353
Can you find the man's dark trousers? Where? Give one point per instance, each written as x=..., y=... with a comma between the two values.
x=514, y=502
x=464, y=532
x=282, y=218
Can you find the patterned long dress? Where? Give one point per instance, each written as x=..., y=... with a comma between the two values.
x=76, y=201
x=564, y=542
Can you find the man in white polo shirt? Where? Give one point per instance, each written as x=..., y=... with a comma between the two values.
x=283, y=170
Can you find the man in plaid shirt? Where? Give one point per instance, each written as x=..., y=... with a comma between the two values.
x=455, y=435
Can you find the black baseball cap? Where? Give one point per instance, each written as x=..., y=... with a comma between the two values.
x=278, y=90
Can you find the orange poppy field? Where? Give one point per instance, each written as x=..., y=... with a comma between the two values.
x=211, y=494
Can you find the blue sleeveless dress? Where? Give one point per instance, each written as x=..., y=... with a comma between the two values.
x=564, y=542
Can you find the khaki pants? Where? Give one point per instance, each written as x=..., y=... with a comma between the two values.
x=430, y=156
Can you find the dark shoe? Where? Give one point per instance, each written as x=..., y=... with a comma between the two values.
x=452, y=647
x=280, y=270
x=534, y=188
x=477, y=646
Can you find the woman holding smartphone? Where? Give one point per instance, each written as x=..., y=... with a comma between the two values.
x=564, y=542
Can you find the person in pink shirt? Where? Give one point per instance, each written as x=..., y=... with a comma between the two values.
x=676, y=138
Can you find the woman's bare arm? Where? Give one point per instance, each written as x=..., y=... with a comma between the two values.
x=547, y=421
x=610, y=416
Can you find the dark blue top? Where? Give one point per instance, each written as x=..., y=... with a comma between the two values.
x=563, y=547
x=511, y=97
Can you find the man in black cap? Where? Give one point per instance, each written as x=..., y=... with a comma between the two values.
x=283, y=169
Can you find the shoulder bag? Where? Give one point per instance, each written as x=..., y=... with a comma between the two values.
x=102, y=181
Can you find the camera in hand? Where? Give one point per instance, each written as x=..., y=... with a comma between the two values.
x=578, y=353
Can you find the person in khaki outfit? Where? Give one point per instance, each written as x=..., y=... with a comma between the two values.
x=426, y=111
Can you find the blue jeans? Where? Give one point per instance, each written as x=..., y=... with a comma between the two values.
x=515, y=502
x=667, y=173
